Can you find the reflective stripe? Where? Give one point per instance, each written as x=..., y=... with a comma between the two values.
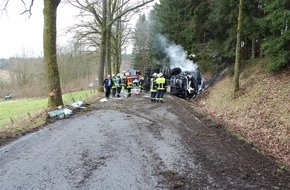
x=160, y=83
x=129, y=80
x=153, y=85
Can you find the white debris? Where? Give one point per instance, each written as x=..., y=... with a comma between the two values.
x=77, y=104
x=67, y=111
x=103, y=100
x=60, y=113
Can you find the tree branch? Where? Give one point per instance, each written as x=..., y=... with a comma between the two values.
x=27, y=10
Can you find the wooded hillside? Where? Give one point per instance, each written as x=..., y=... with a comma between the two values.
x=261, y=113
x=208, y=29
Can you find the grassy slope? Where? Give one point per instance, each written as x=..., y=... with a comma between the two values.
x=23, y=123
x=260, y=113
x=21, y=108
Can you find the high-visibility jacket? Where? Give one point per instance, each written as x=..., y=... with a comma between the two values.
x=114, y=83
x=141, y=82
x=153, y=85
x=123, y=82
x=117, y=82
x=160, y=81
x=129, y=82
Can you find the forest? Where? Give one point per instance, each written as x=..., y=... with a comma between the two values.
x=206, y=28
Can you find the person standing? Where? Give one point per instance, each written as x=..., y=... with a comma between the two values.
x=118, y=84
x=123, y=83
x=141, y=83
x=108, y=83
x=198, y=81
x=114, y=87
x=160, y=82
x=129, y=84
x=153, y=87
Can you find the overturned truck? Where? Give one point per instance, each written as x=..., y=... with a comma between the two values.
x=184, y=84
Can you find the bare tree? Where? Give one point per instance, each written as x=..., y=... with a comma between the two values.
x=103, y=20
x=120, y=36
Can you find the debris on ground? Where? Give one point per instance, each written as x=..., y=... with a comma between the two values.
x=103, y=100
x=78, y=104
x=60, y=113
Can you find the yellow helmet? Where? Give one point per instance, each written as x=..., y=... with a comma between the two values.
x=191, y=56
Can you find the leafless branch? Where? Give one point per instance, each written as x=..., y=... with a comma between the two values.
x=27, y=10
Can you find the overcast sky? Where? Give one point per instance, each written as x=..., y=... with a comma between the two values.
x=21, y=36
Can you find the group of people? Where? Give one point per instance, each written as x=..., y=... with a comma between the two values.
x=117, y=83
x=157, y=87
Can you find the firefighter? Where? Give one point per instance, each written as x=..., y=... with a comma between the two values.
x=123, y=83
x=129, y=84
x=114, y=87
x=153, y=87
x=118, y=84
x=141, y=83
x=198, y=82
x=160, y=82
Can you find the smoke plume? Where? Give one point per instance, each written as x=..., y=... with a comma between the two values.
x=177, y=55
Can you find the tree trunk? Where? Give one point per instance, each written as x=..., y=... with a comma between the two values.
x=116, y=46
x=253, y=56
x=118, y=55
x=109, y=36
x=238, y=49
x=103, y=47
x=49, y=50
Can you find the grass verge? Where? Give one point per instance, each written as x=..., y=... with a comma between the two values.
x=18, y=117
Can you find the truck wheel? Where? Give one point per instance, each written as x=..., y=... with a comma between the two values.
x=147, y=71
x=175, y=71
x=154, y=70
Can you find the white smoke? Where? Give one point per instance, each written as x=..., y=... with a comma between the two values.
x=177, y=55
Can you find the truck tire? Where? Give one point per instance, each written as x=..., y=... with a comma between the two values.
x=147, y=71
x=175, y=71
x=165, y=71
x=154, y=70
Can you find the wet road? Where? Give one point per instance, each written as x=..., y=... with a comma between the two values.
x=103, y=149
x=133, y=144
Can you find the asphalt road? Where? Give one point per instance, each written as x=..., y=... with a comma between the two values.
x=131, y=143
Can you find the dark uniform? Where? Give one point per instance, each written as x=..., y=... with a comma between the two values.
x=129, y=85
x=141, y=83
x=153, y=87
x=118, y=84
x=114, y=87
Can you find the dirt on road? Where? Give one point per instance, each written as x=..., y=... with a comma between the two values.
x=132, y=143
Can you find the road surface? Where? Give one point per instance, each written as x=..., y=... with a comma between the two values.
x=131, y=143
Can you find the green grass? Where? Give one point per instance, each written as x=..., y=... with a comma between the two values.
x=19, y=109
